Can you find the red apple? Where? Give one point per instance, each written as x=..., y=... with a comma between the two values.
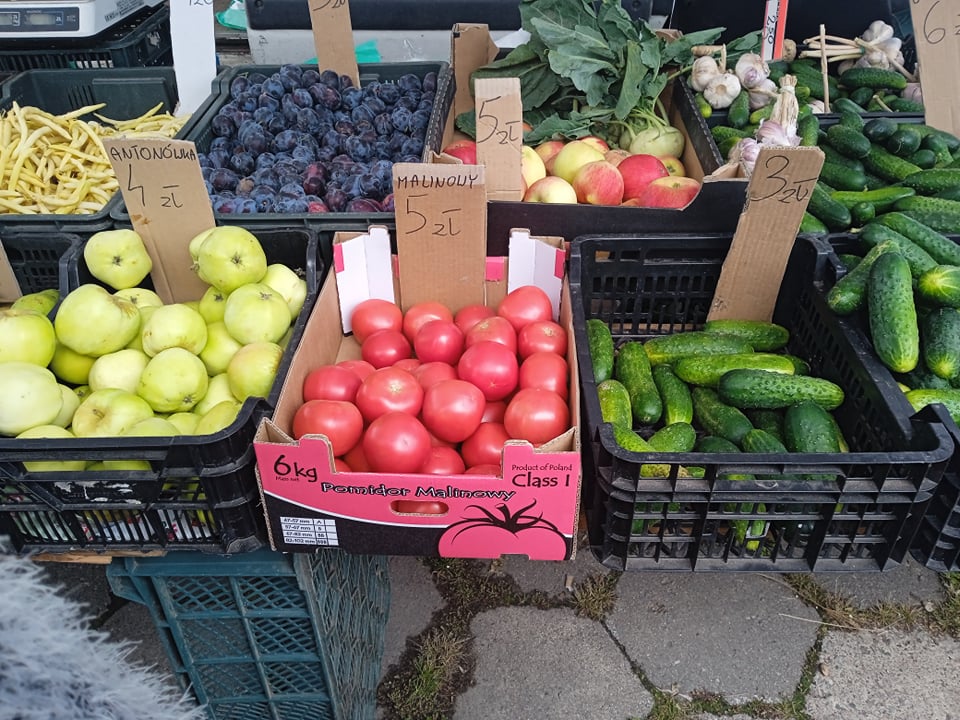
x=673, y=165
x=638, y=171
x=464, y=150
x=548, y=148
x=551, y=189
x=669, y=192
x=573, y=156
x=615, y=156
x=596, y=142
x=599, y=183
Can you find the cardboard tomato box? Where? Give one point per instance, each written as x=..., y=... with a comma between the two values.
x=531, y=508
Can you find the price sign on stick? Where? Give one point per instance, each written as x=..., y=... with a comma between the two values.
x=777, y=196
x=163, y=190
x=441, y=215
x=774, y=29
x=194, y=52
x=499, y=114
x=936, y=31
x=9, y=286
x=333, y=37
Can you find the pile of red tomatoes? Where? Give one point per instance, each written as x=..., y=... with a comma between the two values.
x=440, y=393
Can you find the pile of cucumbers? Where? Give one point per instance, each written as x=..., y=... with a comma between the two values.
x=727, y=388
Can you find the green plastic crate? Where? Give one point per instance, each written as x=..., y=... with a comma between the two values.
x=267, y=635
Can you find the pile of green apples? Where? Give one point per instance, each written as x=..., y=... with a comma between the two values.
x=120, y=362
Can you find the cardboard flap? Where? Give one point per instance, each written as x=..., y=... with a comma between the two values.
x=470, y=47
x=194, y=53
x=333, y=37
x=537, y=261
x=9, y=287
x=937, y=35
x=364, y=270
x=777, y=196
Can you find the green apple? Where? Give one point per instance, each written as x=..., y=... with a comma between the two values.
x=71, y=367
x=70, y=404
x=26, y=336
x=93, y=322
x=229, y=257
x=196, y=241
x=184, y=422
x=253, y=369
x=141, y=297
x=256, y=313
x=151, y=427
x=43, y=301
x=220, y=416
x=212, y=305
x=145, y=312
x=109, y=412
x=82, y=392
x=120, y=369
x=292, y=287
x=117, y=258
x=50, y=431
x=29, y=396
x=173, y=381
x=219, y=349
x=174, y=325
x=218, y=390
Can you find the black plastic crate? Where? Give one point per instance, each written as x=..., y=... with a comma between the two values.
x=267, y=635
x=200, y=131
x=862, y=520
x=141, y=40
x=200, y=491
x=35, y=256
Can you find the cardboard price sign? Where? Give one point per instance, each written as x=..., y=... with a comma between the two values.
x=163, y=190
x=194, y=52
x=9, y=286
x=936, y=30
x=499, y=114
x=333, y=37
x=777, y=196
x=441, y=215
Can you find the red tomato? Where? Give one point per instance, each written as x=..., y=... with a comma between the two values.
x=330, y=382
x=340, y=421
x=483, y=470
x=492, y=329
x=437, y=442
x=421, y=313
x=431, y=372
x=525, y=305
x=340, y=465
x=418, y=507
x=490, y=366
x=536, y=415
x=443, y=461
x=361, y=367
x=485, y=445
x=375, y=314
x=541, y=336
x=470, y=315
x=396, y=442
x=452, y=409
x=356, y=459
x=545, y=370
x=408, y=364
x=494, y=411
x=389, y=390
x=384, y=347
x=439, y=341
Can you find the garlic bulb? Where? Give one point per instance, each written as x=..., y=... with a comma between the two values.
x=913, y=92
x=789, y=50
x=721, y=90
x=704, y=70
x=877, y=32
x=817, y=106
x=763, y=94
x=751, y=70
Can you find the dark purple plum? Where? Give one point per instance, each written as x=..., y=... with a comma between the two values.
x=273, y=87
x=242, y=163
x=223, y=125
x=316, y=206
x=289, y=82
x=413, y=146
x=400, y=117
x=335, y=199
x=314, y=185
x=222, y=204
x=325, y=96
x=291, y=190
x=346, y=82
x=363, y=205
x=307, y=120
x=256, y=77
x=288, y=206
x=418, y=122
x=302, y=98
x=245, y=185
x=389, y=93
x=220, y=143
x=358, y=149
x=375, y=104
x=266, y=160
x=382, y=124
x=304, y=153
x=276, y=124
x=223, y=179
x=268, y=101
x=285, y=141
x=264, y=196
x=362, y=113
x=387, y=204
x=246, y=206
x=247, y=102
x=429, y=82
x=266, y=178
x=219, y=157
x=330, y=78
x=351, y=97
x=309, y=77
x=238, y=86
x=409, y=81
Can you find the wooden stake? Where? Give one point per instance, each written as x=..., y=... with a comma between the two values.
x=823, y=68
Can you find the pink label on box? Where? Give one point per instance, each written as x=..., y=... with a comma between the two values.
x=530, y=511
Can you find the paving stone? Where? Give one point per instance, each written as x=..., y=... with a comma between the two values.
x=910, y=584
x=85, y=583
x=742, y=636
x=132, y=624
x=534, y=664
x=550, y=577
x=886, y=675
x=708, y=716
x=413, y=601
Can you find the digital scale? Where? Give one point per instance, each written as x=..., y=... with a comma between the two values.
x=35, y=19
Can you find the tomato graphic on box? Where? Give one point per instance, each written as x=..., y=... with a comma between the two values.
x=488, y=534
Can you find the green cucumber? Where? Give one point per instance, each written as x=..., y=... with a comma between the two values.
x=849, y=293
x=902, y=104
x=762, y=335
x=886, y=165
x=842, y=178
x=831, y=213
x=800, y=366
x=675, y=395
x=952, y=141
x=940, y=347
x=903, y=142
x=892, y=313
x=879, y=129
x=747, y=389
x=949, y=194
x=831, y=155
x=939, y=147
x=808, y=128
x=949, y=398
x=848, y=141
x=849, y=260
x=919, y=259
x=930, y=182
x=941, y=248
x=921, y=377
x=760, y=441
x=717, y=417
x=940, y=286
x=705, y=108
x=600, y=347
x=862, y=213
x=809, y=428
x=723, y=132
x=810, y=225
x=938, y=213
x=810, y=77
x=761, y=114
x=632, y=368
x=738, y=114
x=670, y=348
x=882, y=200
x=706, y=370
x=861, y=96
x=850, y=112
x=770, y=421
x=715, y=444
x=615, y=403
x=873, y=78
x=924, y=159
x=675, y=437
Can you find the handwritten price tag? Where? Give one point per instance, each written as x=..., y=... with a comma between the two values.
x=333, y=37
x=777, y=196
x=499, y=113
x=164, y=192
x=774, y=29
x=936, y=29
x=194, y=52
x=441, y=222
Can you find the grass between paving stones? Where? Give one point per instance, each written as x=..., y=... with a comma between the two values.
x=437, y=665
